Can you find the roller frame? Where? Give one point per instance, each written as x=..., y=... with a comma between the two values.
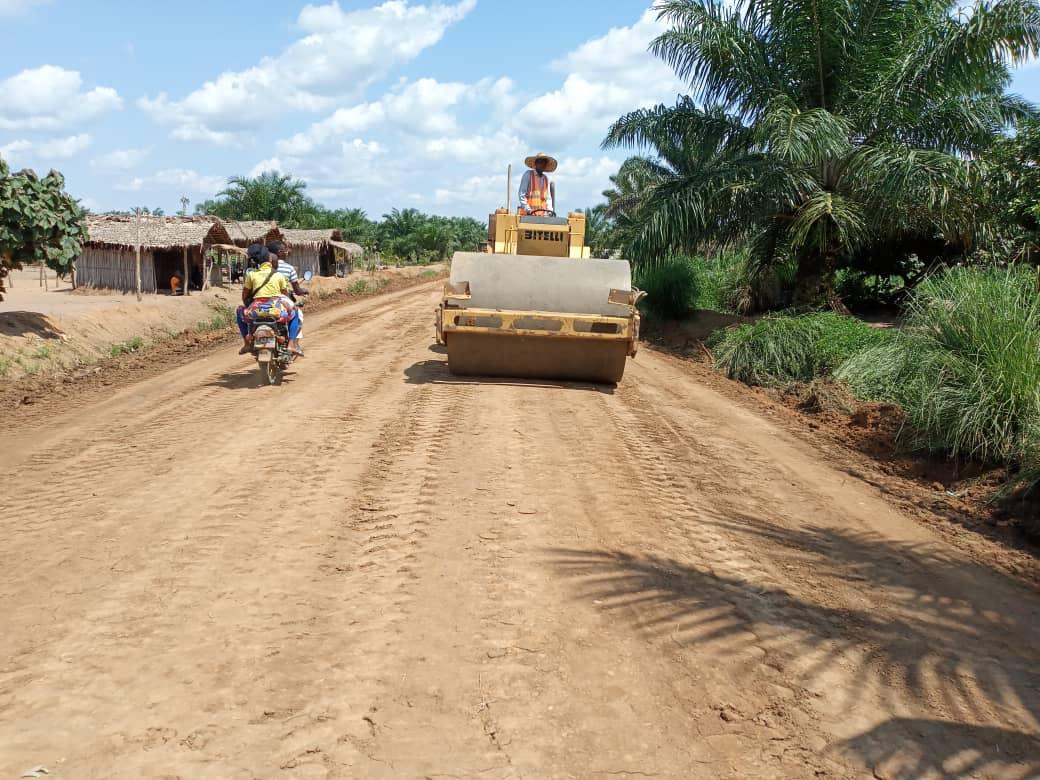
x=466, y=320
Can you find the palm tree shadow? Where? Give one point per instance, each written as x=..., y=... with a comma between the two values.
x=912, y=748
x=936, y=649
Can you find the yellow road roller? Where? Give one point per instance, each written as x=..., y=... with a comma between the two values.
x=535, y=305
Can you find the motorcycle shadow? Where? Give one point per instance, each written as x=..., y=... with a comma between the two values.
x=248, y=379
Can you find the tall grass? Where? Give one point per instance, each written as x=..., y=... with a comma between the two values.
x=778, y=350
x=671, y=285
x=967, y=370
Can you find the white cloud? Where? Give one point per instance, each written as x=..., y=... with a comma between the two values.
x=606, y=77
x=424, y=106
x=24, y=151
x=178, y=179
x=120, y=159
x=19, y=7
x=52, y=98
x=340, y=54
x=475, y=149
x=445, y=145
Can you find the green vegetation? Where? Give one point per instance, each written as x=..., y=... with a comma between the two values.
x=126, y=347
x=366, y=286
x=671, y=287
x=39, y=222
x=781, y=349
x=849, y=135
x=223, y=317
x=966, y=370
x=403, y=236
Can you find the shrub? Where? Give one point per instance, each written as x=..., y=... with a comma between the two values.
x=366, y=286
x=745, y=289
x=223, y=316
x=967, y=373
x=781, y=349
x=671, y=288
x=127, y=347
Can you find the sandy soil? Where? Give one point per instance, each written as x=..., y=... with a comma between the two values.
x=482, y=579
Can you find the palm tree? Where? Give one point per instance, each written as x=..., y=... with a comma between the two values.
x=819, y=127
x=269, y=196
x=598, y=231
x=356, y=226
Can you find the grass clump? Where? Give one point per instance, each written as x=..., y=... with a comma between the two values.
x=366, y=286
x=781, y=349
x=126, y=347
x=223, y=316
x=967, y=371
x=671, y=286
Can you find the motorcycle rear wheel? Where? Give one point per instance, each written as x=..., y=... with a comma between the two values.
x=269, y=372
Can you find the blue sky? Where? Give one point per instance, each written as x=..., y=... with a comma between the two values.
x=374, y=105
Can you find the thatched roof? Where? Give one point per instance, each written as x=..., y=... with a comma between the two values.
x=252, y=232
x=156, y=232
x=311, y=238
x=349, y=248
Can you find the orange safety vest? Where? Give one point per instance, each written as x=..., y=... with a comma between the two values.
x=537, y=192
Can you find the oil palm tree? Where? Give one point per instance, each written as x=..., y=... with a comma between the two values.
x=817, y=127
x=269, y=196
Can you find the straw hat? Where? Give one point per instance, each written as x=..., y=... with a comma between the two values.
x=529, y=162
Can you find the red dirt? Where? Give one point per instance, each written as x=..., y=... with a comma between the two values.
x=962, y=500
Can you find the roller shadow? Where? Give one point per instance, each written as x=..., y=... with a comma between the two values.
x=435, y=372
x=946, y=647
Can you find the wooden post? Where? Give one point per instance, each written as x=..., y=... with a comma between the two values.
x=186, y=277
x=138, y=253
x=43, y=280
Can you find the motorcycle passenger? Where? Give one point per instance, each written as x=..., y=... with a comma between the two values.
x=289, y=272
x=265, y=293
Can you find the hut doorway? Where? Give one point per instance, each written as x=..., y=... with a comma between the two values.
x=170, y=263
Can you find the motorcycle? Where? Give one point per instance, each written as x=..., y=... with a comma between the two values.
x=271, y=349
x=271, y=346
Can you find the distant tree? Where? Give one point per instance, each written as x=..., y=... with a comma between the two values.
x=39, y=222
x=598, y=232
x=269, y=196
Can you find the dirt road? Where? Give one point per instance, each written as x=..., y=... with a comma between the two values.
x=481, y=579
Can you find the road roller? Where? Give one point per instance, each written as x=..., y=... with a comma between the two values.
x=535, y=305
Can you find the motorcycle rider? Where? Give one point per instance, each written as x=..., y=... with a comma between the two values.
x=289, y=271
x=265, y=288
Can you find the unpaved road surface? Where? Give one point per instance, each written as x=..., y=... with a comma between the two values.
x=480, y=579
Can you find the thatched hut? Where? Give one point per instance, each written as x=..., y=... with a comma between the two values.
x=317, y=251
x=246, y=232
x=169, y=246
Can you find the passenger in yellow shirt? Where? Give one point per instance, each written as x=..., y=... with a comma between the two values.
x=264, y=288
